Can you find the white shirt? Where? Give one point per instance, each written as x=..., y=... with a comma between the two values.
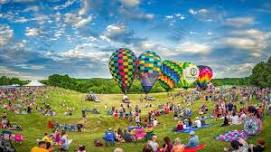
x=198, y=123
x=235, y=120
x=155, y=122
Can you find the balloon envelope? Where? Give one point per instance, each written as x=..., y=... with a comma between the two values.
x=190, y=74
x=122, y=65
x=205, y=76
x=170, y=74
x=149, y=69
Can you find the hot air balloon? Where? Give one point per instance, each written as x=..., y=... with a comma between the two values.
x=122, y=65
x=190, y=74
x=149, y=69
x=205, y=76
x=170, y=74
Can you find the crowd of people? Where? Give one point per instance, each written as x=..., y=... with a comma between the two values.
x=233, y=105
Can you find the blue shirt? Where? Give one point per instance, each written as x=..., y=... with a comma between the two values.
x=193, y=141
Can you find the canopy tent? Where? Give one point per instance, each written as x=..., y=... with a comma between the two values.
x=34, y=83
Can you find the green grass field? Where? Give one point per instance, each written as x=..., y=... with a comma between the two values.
x=35, y=124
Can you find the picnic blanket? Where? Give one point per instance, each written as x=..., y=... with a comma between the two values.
x=232, y=135
x=189, y=129
x=194, y=149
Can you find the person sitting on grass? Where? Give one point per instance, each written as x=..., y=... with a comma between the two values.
x=118, y=150
x=177, y=147
x=64, y=144
x=49, y=147
x=203, y=109
x=235, y=119
x=147, y=148
x=41, y=148
x=202, y=120
x=155, y=122
x=197, y=122
x=260, y=147
x=47, y=138
x=153, y=143
x=138, y=120
x=81, y=148
x=193, y=140
x=167, y=147
x=118, y=136
x=109, y=136
x=180, y=126
x=238, y=146
x=225, y=122
x=128, y=137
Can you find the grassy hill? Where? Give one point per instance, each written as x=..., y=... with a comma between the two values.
x=35, y=124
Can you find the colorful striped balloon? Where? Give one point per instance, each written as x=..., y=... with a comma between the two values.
x=149, y=69
x=205, y=76
x=190, y=74
x=122, y=65
x=170, y=74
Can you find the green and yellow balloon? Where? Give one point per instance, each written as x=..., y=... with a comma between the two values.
x=189, y=75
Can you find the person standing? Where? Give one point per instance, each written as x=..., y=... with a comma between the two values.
x=84, y=116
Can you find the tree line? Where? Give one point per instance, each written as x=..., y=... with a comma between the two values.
x=4, y=80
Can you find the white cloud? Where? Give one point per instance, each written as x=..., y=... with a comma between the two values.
x=234, y=70
x=84, y=8
x=83, y=22
x=40, y=19
x=81, y=18
x=30, y=66
x=130, y=3
x=6, y=34
x=172, y=19
x=208, y=15
x=239, y=21
x=252, y=39
x=86, y=51
x=113, y=31
x=196, y=12
x=5, y=71
x=32, y=31
x=31, y=8
x=191, y=11
x=77, y=20
x=65, y=5
x=194, y=47
x=135, y=14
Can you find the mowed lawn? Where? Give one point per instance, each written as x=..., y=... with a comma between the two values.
x=35, y=124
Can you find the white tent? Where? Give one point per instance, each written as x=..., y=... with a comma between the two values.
x=34, y=83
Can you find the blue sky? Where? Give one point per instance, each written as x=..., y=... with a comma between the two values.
x=76, y=37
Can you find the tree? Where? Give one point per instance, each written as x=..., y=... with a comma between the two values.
x=261, y=74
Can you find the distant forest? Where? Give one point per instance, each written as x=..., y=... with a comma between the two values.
x=261, y=76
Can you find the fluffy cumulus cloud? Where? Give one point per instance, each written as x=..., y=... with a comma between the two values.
x=240, y=21
x=194, y=47
x=119, y=33
x=235, y=70
x=65, y=5
x=32, y=32
x=83, y=52
x=10, y=72
x=202, y=11
x=208, y=14
x=81, y=18
x=77, y=20
x=186, y=47
x=253, y=40
x=6, y=34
